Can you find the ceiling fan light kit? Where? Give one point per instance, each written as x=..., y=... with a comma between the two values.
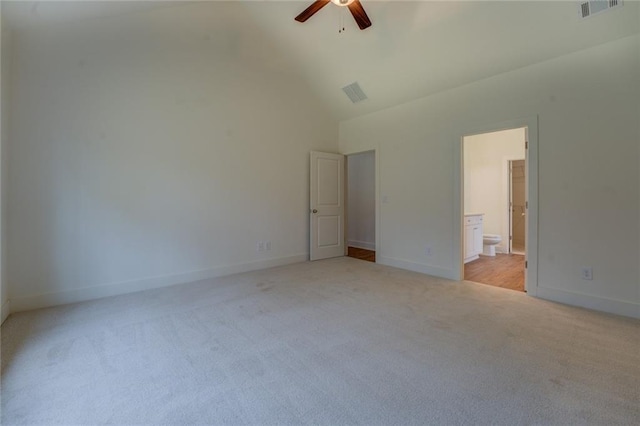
x=342, y=2
x=355, y=7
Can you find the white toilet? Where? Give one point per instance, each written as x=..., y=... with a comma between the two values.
x=489, y=243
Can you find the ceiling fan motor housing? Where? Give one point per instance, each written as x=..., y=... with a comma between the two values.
x=342, y=2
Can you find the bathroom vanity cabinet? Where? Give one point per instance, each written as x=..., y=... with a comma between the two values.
x=472, y=236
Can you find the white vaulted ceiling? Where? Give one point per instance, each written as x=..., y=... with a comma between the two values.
x=412, y=50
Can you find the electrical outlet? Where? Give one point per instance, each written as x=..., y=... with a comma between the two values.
x=428, y=250
x=260, y=246
x=267, y=245
x=587, y=273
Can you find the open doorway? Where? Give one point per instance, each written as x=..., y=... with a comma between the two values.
x=361, y=205
x=494, y=208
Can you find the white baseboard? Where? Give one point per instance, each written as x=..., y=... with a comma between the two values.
x=618, y=307
x=361, y=244
x=612, y=306
x=471, y=259
x=5, y=309
x=416, y=267
x=26, y=303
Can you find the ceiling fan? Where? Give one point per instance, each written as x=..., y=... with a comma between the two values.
x=355, y=7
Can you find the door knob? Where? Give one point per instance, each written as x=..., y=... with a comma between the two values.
x=314, y=211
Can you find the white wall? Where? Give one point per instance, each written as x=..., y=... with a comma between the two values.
x=153, y=149
x=5, y=68
x=588, y=104
x=361, y=205
x=486, y=180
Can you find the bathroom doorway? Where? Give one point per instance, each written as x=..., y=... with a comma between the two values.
x=361, y=205
x=494, y=208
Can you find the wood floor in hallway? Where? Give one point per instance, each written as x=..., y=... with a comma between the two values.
x=362, y=254
x=503, y=270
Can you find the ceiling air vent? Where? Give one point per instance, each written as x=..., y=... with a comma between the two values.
x=354, y=92
x=589, y=8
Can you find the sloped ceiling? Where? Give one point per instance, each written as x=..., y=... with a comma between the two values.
x=412, y=50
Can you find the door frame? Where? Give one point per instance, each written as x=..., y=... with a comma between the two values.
x=376, y=166
x=531, y=187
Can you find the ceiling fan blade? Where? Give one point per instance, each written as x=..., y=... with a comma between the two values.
x=311, y=10
x=359, y=15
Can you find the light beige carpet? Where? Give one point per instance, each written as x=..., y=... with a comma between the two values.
x=334, y=342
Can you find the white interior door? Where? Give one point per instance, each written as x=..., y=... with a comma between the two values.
x=517, y=204
x=327, y=205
